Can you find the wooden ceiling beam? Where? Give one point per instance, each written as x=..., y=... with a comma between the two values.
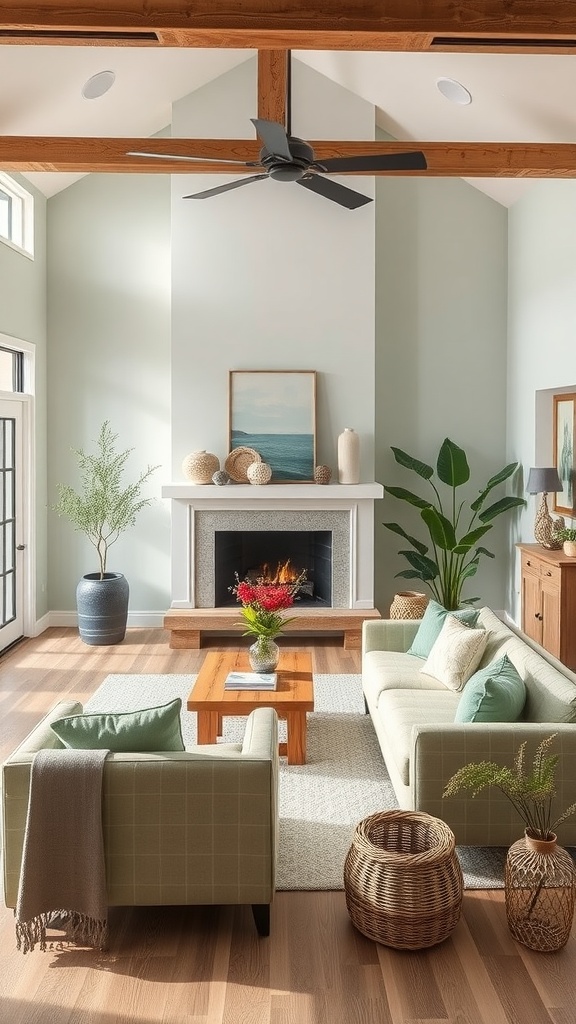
x=273, y=84
x=445, y=159
x=293, y=24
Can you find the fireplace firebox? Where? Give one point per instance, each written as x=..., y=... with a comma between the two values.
x=272, y=554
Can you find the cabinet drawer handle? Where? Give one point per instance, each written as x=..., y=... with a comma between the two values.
x=548, y=573
x=528, y=563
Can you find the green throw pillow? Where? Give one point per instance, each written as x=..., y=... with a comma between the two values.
x=124, y=731
x=432, y=621
x=495, y=693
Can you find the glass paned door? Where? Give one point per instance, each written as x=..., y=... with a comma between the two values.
x=11, y=548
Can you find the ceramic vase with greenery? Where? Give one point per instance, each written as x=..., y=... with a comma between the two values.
x=540, y=880
x=455, y=528
x=103, y=508
x=568, y=537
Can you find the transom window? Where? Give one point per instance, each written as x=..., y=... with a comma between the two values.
x=11, y=370
x=16, y=215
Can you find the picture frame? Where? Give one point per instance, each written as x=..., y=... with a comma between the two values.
x=564, y=439
x=274, y=413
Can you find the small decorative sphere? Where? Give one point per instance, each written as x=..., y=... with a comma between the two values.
x=220, y=477
x=322, y=474
x=259, y=473
x=198, y=467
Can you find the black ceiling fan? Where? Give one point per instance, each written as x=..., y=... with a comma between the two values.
x=284, y=157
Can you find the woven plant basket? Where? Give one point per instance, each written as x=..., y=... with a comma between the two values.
x=408, y=604
x=539, y=890
x=403, y=880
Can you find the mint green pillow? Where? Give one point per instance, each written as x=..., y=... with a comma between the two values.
x=495, y=693
x=156, y=728
x=432, y=621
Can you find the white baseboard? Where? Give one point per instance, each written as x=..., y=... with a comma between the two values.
x=148, y=620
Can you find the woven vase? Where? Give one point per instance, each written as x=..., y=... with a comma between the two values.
x=539, y=891
x=198, y=467
x=403, y=880
x=408, y=604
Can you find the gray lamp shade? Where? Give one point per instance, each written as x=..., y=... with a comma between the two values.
x=543, y=480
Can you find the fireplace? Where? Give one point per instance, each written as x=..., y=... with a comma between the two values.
x=278, y=555
x=334, y=518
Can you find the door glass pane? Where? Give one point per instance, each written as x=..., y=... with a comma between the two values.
x=7, y=521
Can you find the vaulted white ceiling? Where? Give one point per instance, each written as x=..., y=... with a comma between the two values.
x=515, y=97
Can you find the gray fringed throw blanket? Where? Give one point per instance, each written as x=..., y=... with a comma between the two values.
x=63, y=871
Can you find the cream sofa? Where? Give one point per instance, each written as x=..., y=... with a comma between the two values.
x=413, y=715
x=189, y=827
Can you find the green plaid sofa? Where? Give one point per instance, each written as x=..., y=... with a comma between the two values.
x=193, y=827
x=413, y=715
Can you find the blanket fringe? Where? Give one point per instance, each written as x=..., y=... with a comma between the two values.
x=80, y=928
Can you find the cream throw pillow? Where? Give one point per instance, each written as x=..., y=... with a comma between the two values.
x=456, y=653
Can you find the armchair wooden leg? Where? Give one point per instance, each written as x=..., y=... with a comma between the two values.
x=261, y=912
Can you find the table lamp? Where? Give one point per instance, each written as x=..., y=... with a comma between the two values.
x=544, y=480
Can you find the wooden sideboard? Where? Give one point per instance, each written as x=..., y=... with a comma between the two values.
x=549, y=601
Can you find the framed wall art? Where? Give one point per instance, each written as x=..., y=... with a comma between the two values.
x=274, y=413
x=564, y=435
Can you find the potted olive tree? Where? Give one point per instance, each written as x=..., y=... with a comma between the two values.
x=103, y=508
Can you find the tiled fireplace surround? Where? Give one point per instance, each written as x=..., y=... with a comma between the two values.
x=198, y=512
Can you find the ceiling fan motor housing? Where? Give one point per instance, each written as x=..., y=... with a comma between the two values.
x=282, y=170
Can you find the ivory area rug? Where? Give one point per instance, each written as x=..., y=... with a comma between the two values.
x=344, y=780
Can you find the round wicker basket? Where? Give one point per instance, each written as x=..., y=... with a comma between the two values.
x=408, y=604
x=238, y=461
x=403, y=880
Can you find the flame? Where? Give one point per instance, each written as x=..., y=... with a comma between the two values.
x=284, y=573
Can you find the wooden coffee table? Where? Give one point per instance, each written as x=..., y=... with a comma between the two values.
x=292, y=698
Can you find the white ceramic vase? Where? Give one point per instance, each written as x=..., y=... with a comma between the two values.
x=348, y=457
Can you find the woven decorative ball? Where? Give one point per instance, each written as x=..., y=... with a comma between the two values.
x=322, y=475
x=402, y=879
x=408, y=604
x=259, y=473
x=198, y=467
x=220, y=477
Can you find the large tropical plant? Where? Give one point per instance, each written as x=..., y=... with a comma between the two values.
x=106, y=505
x=454, y=527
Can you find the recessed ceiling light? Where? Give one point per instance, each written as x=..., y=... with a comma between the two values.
x=453, y=91
x=98, y=85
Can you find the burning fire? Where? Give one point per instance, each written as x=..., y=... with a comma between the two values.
x=284, y=573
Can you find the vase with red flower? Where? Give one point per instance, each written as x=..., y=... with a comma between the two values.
x=262, y=604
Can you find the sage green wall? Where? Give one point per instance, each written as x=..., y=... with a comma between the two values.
x=441, y=284
x=23, y=316
x=109, y=358
x=541, y=331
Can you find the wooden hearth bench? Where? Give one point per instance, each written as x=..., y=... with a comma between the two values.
x=186, y=625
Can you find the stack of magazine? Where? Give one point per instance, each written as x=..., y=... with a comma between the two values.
x=251, y=681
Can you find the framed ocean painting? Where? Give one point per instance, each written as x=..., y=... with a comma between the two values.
x=274, y=412
x=564, y=438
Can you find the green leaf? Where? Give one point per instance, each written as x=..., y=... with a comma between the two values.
x=484, y=551
x=452, y=466
x=500, y=506
x=404, y=495
x=426, y=566
x=403, y=459
x=499, y=478
x=468, y=542
x=469, y=570
x=441, y=529
x=410, y=574
x=422, y=548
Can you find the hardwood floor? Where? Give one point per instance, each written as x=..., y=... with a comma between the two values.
x=203, y=965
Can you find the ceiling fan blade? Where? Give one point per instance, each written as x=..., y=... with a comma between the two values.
x=274, y=137
x=376, y=162
x=334, y=191
x=197, y=159
x=225, y=188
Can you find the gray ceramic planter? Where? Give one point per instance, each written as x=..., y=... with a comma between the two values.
x=102, y=606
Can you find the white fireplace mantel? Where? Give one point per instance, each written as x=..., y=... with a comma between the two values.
x=352, y=503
